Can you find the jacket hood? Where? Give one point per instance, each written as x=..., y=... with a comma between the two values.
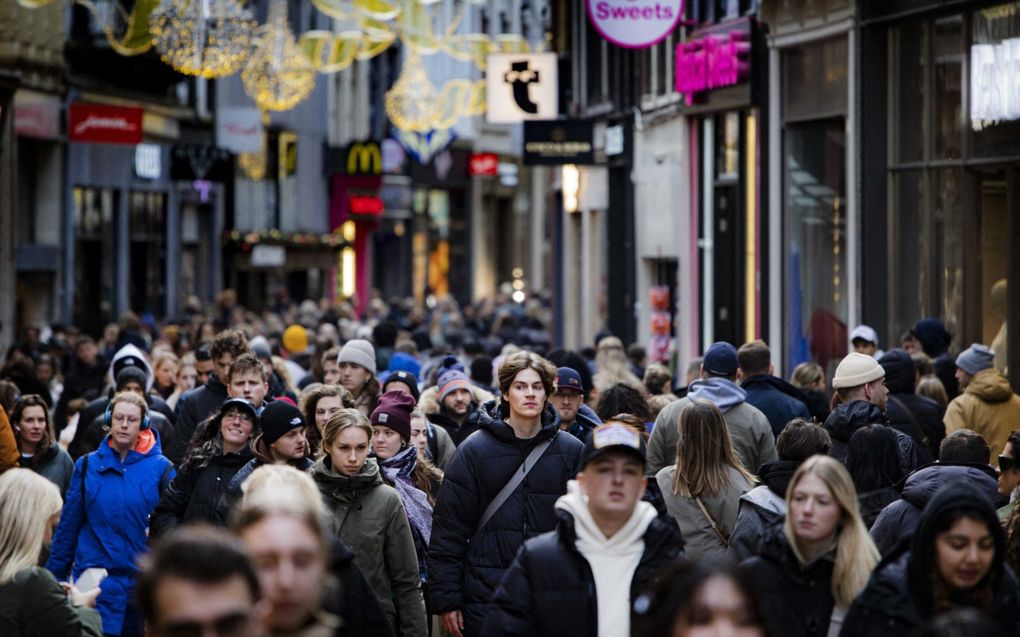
x=773, y=382
x=588, y=415
x=933, y=335
x=721, y=392
x=847, y=418
x=341, y=487
x=922, y=485
x=900, y=372
x=952, y=497
x=990, y=386
x=588, y=532
x=777, y=475
x=131, y=350
x=771, y=507
x=147, y=445
x=260, y=450
x=493, y=414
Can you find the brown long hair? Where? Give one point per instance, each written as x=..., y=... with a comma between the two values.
x=309, y=400
x=23, y=403
x=704, y=453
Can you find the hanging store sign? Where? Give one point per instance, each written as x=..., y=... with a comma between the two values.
x=36, y=115
x=148, y=161
x=522, y=86
x=363, y=158
x=239, y=130
x=483, y=164
x=368, y=205
x=189, y=162
x=557, y=143
x=268, y=256
x=710, y=62
x=634, y=24
x=994, y=83
x=104, y=124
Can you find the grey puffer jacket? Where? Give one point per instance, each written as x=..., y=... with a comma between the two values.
x=367, y=515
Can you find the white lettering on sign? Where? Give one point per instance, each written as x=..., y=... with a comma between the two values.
x=148, y=163
x=994, y=83
x=106, y=123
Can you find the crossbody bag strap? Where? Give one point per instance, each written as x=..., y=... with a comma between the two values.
x=711, y=520
x=515, y=481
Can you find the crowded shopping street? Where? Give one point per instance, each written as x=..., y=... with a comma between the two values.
x=522, y=318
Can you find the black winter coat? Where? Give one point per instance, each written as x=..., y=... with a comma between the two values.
x=197, y=494
x=550, y=590
x=780, y=401
x=459, y=433
x=918, y=416
x=194, y=407
x=847, y=418
x=796, y=601
x=466, y=563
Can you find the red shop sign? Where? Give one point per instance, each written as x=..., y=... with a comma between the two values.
x=483, y=165
x=365, y=205
x=103, y=124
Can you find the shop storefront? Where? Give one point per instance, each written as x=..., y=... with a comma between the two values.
x=717, y=71
x=813, y=224
x=941, y=124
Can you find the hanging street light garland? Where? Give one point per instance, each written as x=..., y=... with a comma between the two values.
x=206, y=38
x=277, y=76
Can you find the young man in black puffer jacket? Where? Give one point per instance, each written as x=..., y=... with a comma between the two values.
x=607, y=548
x=468, y=554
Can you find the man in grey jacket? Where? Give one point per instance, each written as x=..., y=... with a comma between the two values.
x=749, y=429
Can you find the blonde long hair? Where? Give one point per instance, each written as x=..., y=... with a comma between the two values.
x=704, y=453
x=27, y=502
x=856, y=555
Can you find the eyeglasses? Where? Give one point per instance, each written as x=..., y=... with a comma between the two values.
x=119, y=418
x=1006, y=463
x=234, y=414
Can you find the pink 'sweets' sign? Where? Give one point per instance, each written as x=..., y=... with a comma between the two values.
x=634, y=24
x=711, y=62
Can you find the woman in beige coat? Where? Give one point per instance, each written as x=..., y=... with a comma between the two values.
x=702, y=490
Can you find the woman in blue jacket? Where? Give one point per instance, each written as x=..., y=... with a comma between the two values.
x=105, y=519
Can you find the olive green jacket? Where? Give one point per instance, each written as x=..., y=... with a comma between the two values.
x=367, y=516
x=33, y=605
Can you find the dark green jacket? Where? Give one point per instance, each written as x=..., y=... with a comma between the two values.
x=33, y=604
x=367, y=516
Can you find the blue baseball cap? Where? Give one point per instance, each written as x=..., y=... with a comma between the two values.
x=567, y=378
x=720, y=359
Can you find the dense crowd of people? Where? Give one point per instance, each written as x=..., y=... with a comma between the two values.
x=302, y=472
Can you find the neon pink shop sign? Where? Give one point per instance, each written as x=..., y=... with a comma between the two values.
x=713, y=61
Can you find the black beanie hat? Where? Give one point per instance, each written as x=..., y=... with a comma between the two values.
x=278, y=418
x=130, y=374
x=408, y=379
x=394, y=411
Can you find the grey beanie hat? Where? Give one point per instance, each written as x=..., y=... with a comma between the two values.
x=975, y=358
x=360, y=352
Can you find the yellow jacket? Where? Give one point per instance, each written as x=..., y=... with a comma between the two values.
x=987, y=406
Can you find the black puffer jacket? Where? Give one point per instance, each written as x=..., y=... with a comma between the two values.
x=193, y=408
x=796, y=600
x=466, y=563
x=551, y=576
x=898, y=520
x=899, y=597
x=918, y=416
x=197, y=493
x=780, y=401
x=847, y=418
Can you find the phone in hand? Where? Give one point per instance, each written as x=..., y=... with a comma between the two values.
x=90, y=579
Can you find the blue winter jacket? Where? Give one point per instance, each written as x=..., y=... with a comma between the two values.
x=107, y=525
x=466, y=563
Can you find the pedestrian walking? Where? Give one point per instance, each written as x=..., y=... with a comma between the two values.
x=872, y=458
x=607, y=540
x=37, y=443
x=703, y=488
x=356, y=363
x=956, y=560
x=498, y=492
x=31, y=600
x=810, y=570
x=988, y=404
x=104, y=523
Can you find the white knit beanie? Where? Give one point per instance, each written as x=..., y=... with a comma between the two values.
x=359, y=352
x=856, y=370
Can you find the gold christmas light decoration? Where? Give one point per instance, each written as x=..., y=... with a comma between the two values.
x=411, y=101
x=207, y=38
x=278, y=75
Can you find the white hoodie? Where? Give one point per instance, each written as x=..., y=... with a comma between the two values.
x=612, y=560
x=131, y=350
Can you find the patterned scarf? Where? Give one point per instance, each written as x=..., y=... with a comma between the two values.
x=398, y=470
